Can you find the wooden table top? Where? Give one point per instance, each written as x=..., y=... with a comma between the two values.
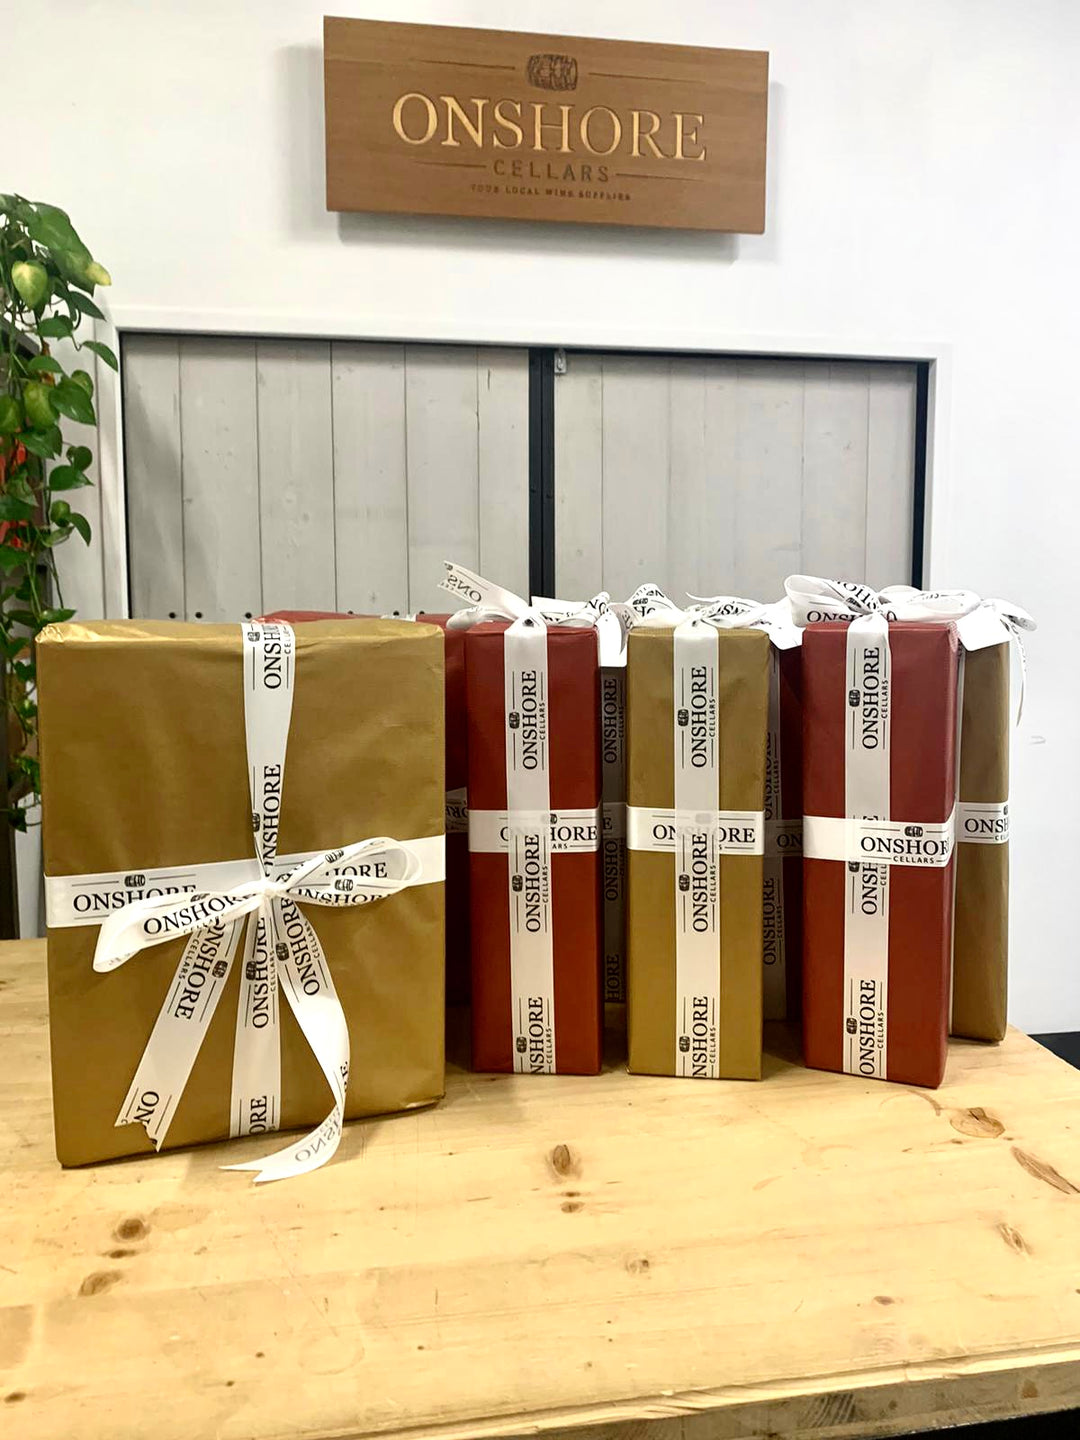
x=814, y=1255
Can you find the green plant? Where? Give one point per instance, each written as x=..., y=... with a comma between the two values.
x=47, y=283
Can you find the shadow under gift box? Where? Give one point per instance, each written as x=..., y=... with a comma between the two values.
x=743, y=664
x=574, y=758
x=144, y=765
x=923, y=728
x=457, y=774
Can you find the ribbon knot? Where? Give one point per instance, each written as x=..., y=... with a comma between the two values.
x=979, y=622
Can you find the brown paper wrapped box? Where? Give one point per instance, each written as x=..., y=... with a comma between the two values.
x=457, y=775
x=743, y=663
x=981, y=942
x=144, y=765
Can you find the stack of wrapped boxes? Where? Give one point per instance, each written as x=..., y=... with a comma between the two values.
x=717, y=815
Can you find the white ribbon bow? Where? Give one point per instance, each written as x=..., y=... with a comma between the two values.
x=281, y=946
x=979, y=622
x=731, y=612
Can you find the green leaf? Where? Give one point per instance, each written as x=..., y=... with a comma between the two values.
x=45, y=363
x=67, y=477
x=23, y=617
x=52, y=538
x=31, y=280
x=103, y=352
x=24, y=669
x=71, y=400
x=83, y=380
x=82, y=525
x=18, y=485
x=44, y=444
x=59, y=512
x=86, y=306
x=10, y=414
x=56, y=327
x=10, y=558
x=12, y=509
x=80, y=456
x=54, y=617
x=39, y=400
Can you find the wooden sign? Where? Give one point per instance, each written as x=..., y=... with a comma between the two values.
x=434, y=120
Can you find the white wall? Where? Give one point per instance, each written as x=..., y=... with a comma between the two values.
x=924, y=183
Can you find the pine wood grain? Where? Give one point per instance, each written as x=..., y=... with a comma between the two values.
x=810, y=1256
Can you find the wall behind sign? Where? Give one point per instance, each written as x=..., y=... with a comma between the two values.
x=923, y=177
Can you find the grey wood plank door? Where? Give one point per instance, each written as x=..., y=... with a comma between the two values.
x=269, y=474
x=716, y=475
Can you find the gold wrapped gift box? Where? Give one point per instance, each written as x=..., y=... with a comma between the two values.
x=144, y=765
x=743, y=664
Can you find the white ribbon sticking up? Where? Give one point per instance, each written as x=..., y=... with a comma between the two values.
x=280, y=948
x=979, y=622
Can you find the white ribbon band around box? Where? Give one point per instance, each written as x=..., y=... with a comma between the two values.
x=210, y=903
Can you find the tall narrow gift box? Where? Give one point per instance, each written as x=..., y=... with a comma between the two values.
x=145, y=771
x=783, y=840
x=534, y=793
x=879, y=785
x=981, y=944
x=697, y=714
x=782, y=879
x=457, y=825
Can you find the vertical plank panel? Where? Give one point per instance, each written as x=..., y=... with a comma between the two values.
x=687, y=560
x=717, y=520
x=503, y=466
x=890, y=475
x=219, y=440
x=835, y=424
x=370, y=496
x=154, y=487
x=636, y=470
x=441, y=440
x=768, y=490
x=296, y=475
x=579, y=477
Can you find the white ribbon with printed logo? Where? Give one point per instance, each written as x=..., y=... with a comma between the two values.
x=979, y=622
x=697, y=854
x=209, y=902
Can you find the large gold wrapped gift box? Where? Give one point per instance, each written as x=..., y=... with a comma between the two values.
x=144, y=765
x=743, y=666
x=981, y=930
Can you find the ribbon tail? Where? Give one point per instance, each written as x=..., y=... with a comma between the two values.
x=308, y=987
x=256, y=1074
x=179, y=1031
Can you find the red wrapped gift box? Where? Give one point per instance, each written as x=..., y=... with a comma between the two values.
x=877, y=937
x=515, y=1031
x=457, y=840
